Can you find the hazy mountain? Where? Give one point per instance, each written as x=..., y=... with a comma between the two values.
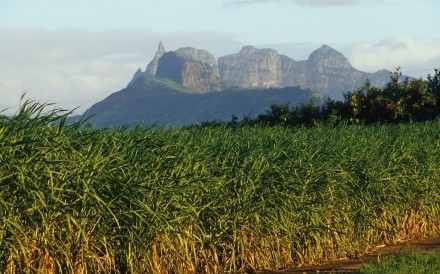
x=190, y=86
x=326, y=70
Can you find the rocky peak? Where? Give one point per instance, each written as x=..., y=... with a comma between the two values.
x=152, y=66
x=248, y=50
x=326, y=56
x=198, y=55
x=138, y=74
x=160, y=49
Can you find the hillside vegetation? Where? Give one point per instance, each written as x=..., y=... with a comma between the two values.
x=398, y=101
x=75, y=199
x=149, y=101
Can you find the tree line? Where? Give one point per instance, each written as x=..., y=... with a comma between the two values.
x=398, y=101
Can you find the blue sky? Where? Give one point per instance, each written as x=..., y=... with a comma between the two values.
x=75, y=53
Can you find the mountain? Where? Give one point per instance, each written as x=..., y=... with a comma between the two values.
x=152, y=100
x=189, y=85
x=326, y=70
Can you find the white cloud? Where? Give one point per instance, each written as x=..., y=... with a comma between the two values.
x=75, y=68
x=416, y=57
x=69, y=67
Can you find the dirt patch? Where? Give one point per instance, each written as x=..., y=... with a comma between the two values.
x=348, y=265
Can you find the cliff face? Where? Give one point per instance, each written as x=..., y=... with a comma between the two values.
x=326, y=70
x=171, y=66
x=331, y=72
x=251, y=68
x=199, y=55
x=195, y=69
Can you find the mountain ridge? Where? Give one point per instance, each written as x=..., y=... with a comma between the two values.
x=189, y=86
x=326, y=70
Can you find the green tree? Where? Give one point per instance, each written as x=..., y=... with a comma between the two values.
x=306, y=114
x=433, y=83
x=276, y=115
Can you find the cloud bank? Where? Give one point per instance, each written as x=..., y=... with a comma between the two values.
x=69, y=67
x=416, y=57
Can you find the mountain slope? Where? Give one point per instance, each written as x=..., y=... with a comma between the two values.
x=161, y=101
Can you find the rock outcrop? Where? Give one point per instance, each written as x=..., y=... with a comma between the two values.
x=330, y=71
x=199, y=55
x=152, y=66
x=251, y=68
x=191, y=68
x=326, y=58
x=138, y=74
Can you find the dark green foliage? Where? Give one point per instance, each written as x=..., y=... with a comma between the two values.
x=303, y=114
x=399, y=101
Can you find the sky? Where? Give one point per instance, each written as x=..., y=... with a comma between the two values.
x=76, y=53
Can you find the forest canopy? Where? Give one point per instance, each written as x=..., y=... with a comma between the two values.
x=398, y=101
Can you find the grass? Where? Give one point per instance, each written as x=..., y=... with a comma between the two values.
x=207, y=200
x=404, y=263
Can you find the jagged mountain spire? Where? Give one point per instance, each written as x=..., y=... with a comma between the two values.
x=160, y=49
x=152, y=66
